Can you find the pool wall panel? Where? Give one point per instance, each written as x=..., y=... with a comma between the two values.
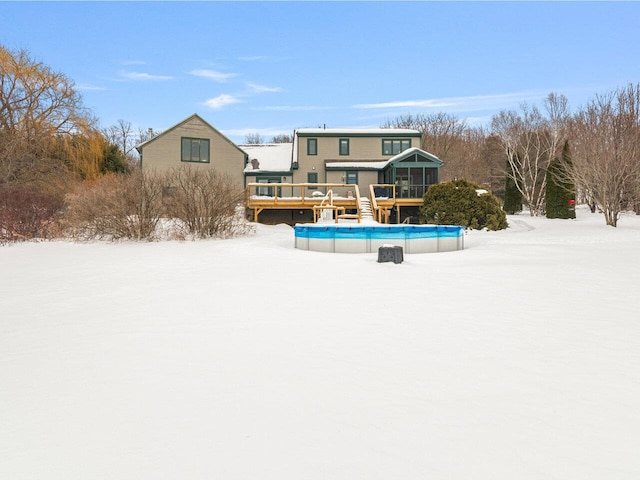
x=369, y=238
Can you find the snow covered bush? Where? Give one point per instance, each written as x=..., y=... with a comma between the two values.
x=465, y=203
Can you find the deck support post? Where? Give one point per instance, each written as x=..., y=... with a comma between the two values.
x=256, y=212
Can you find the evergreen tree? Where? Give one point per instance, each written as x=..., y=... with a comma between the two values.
x=512, y=196
x=560, y=191
x=464, y=203
x=553, y=194
x=114, y=160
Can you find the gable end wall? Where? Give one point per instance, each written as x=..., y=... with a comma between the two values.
x=163, y=153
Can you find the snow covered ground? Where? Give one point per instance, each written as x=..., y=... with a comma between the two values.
x=516, y=358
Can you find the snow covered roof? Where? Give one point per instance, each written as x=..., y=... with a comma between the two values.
x=381, y=164
x=385, y=132
x=410, y=151
x=271, y=157
x=372, y=165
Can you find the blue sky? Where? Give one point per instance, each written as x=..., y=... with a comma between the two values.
x=271, y=67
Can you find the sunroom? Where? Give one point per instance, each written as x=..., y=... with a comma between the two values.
x=412, y=171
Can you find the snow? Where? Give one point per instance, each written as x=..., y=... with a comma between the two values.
x=516, y=358
x=375, y=164
x=357, y=131
x=272, y=157
x=354, y=165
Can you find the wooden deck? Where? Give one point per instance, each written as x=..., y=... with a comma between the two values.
x=338, y=197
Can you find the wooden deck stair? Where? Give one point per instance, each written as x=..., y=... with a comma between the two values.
x=365, y=209
x=359, y=208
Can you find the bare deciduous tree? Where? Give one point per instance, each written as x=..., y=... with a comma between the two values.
x=282, y=138
x=144, y=135
x=530, y=141
x=440, y=131
x=253, y=139
x=474, y=157
x=123, y=135
x=468, y=153
x=36, y=106
x=606, y=143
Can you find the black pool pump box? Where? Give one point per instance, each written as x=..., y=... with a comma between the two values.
x=390, y=253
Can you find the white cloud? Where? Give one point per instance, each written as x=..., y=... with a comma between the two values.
x=255, y=88
x=478, y=121
x=294, y=108
x=254, y=58
x=86, y=88
x=221, y=101
x=406, y=104
x=142, y=76
x=470, y=103
x=213, y=75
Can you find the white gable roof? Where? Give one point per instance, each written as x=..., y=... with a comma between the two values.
x=356, y=131
x=380, y=164
x=271, y=157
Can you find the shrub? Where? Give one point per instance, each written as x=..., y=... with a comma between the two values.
x=461, y=202
x=27, y=213
x=183, y=203
x=204, y=201
x=117, y=207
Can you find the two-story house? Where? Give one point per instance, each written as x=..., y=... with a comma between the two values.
x=382, y=162
x=365, y=157
x=287, y=182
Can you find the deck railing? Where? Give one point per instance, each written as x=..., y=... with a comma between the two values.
x=297, y=196
x=382, y=204
x=353, y=216
x=301, y=192
x=343, y=196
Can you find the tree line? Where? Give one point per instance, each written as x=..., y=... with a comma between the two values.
x=534, y=149
x=50, y=144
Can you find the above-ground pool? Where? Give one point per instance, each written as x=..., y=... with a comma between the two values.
x=369, y=238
